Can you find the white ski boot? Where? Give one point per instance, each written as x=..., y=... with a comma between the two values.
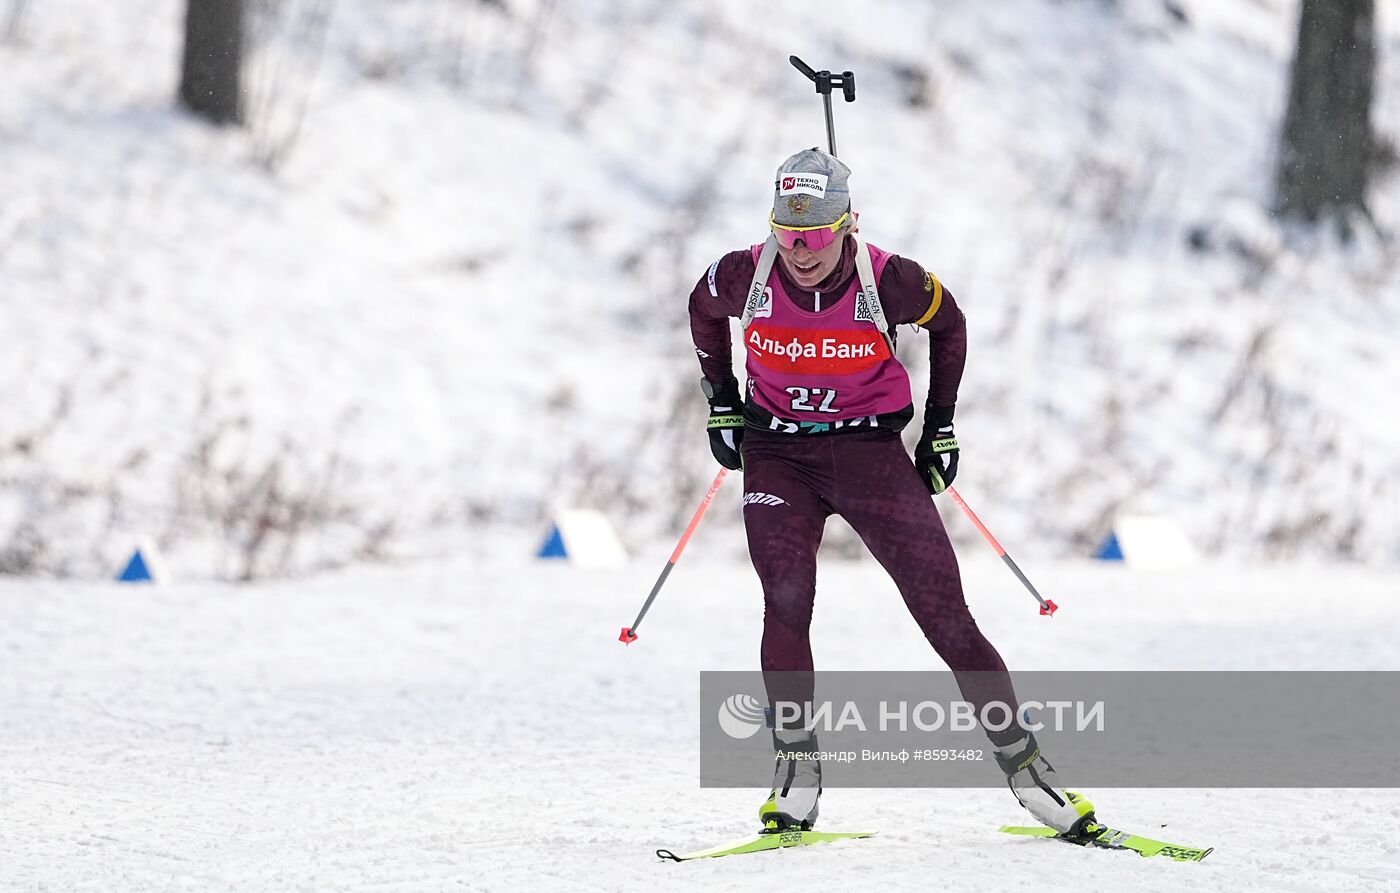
x=1036, y=786
x=797, y=784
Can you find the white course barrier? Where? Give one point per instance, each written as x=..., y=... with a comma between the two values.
x=584, y=537
x=1148, y=542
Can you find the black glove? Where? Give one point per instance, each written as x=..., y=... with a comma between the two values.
x=936, y=456
x=726, y=424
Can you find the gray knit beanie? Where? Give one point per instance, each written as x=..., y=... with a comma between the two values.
x=810, y=189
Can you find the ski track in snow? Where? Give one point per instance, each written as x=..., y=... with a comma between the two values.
x=458, y=726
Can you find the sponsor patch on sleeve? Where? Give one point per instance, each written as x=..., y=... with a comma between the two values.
x=714, y=268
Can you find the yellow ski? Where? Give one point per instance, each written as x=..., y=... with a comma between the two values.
x=1112, y=839
x=765, y=840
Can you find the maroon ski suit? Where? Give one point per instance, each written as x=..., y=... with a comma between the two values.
x=793, y=482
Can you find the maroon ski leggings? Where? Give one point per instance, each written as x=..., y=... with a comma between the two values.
x=791, y=484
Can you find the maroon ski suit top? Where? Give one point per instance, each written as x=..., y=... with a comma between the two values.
x=904, y=292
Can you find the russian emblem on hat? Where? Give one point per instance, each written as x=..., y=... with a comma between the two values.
x=798, y=204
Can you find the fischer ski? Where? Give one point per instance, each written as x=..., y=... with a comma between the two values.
x=765, y=840
x=1113, y=839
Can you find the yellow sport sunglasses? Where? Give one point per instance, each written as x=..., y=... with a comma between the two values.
x=815, y=237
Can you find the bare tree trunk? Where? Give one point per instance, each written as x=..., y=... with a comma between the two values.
x=209, y=80
x=1327, y=142
x=14, y=22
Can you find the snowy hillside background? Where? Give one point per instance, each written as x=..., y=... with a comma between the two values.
x=437, y=287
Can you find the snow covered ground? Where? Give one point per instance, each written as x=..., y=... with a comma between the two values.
x=476, y=725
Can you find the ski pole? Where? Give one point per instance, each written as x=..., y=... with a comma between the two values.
x=825, y=80
x=629, y=633
x=1047, y=607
